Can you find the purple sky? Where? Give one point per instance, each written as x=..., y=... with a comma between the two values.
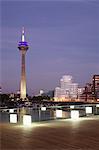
x=63, y=38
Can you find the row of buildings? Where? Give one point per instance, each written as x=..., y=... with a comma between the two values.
x=70, y=91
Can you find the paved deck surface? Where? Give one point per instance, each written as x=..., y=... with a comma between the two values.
x=52, y=135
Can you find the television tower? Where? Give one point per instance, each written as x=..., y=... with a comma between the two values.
x=23, y=47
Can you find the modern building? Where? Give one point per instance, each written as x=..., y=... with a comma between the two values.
x=96, y=87
x=91, y=90
x=23, y=47
x=87, y=93
x=80, y=93
x=67, y=90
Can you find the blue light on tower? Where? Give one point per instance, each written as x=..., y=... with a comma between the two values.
x=23, y=43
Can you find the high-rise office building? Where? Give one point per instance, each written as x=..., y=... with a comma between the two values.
x=23, y=47
x=67, y=90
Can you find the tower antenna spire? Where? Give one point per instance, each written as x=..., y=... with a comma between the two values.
x=23, y=36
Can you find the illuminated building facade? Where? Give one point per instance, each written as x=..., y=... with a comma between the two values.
x=96, y=87
x=67, y=90
x=80, y=93
x=87, y=93
x=23, y=47
x=91, y=90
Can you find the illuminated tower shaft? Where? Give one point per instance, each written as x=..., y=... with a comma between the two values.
x=23, y=47
x=23, y=77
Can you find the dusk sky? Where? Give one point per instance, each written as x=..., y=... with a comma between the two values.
x=63, y=38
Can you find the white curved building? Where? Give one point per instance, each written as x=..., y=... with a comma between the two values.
x=67, y=90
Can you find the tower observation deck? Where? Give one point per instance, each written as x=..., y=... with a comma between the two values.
x=23, y=47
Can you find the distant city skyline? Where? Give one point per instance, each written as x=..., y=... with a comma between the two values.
x=63, y=38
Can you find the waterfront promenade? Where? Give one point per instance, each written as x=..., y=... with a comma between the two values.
x=64, y=134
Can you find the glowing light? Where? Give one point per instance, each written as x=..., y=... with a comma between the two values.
x=88, y=110
x=74, y=114
x=13, y=118
x=23, y=43
x=11, y=110
x=72, y=106
x=27, y=120
x=43, y=108
x=59, y=113
x=23, y=38
x=97, y=105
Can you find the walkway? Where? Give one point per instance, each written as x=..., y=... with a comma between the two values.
x=82, y=134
